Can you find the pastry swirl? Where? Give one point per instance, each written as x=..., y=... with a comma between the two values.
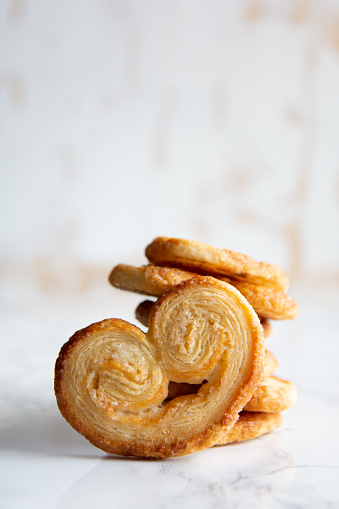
x=111, y=379
x=143, y=311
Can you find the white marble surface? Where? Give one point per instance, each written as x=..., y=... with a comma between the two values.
x=45, y=464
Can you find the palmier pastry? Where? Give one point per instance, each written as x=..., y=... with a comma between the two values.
x=273, y=394
x=251, y=425
x=148, y=279
x=268, y=302
x=153, y=280
x=111, y=379
x=202, y=258
x=143, y=310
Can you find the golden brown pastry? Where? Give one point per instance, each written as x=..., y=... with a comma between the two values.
x=148, y=279
x=143, y=310
x=273, y=394
x=202, y=258
x=271, y=363
x=251, y=425
x=153, y=280
x=268, y=302
x=111, y=379
x=180, y=389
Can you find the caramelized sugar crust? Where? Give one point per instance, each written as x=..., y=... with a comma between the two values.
x=267, y=302
x=112, y=380
x=203, y=258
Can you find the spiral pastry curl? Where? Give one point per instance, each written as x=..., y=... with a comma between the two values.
x=143, y=310
x=111, y=379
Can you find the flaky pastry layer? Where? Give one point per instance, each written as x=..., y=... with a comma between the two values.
x=251, y=425
x=111, y=379
x=196, y=256
x=273, y=394
x=270, y=366
x=143, y=311
x=267, y=302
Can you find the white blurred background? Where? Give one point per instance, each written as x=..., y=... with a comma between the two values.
x=122, y=120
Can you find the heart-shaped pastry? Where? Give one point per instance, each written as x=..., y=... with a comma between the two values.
x=111, y=379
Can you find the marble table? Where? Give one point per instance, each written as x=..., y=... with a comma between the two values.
x=44, y=463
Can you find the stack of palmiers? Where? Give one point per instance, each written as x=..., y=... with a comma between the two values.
x=200, y=376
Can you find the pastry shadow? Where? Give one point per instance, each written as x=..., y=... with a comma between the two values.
x=48, y=434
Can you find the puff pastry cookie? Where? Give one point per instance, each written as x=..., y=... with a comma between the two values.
x=251, y=425
x=268, y=302
x=273, y=394
x=202, y=258
x=111, y=379
x=148, y=279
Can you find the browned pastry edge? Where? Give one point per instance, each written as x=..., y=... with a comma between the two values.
x=268, y=302
x=148, y=279
x=270, y=363
x=203, y=258
x=198, y=441
x=143, y=310
x=153, y=280
x=181, y=389
x=251, y=425
x=273, y=394
x=122, y=448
